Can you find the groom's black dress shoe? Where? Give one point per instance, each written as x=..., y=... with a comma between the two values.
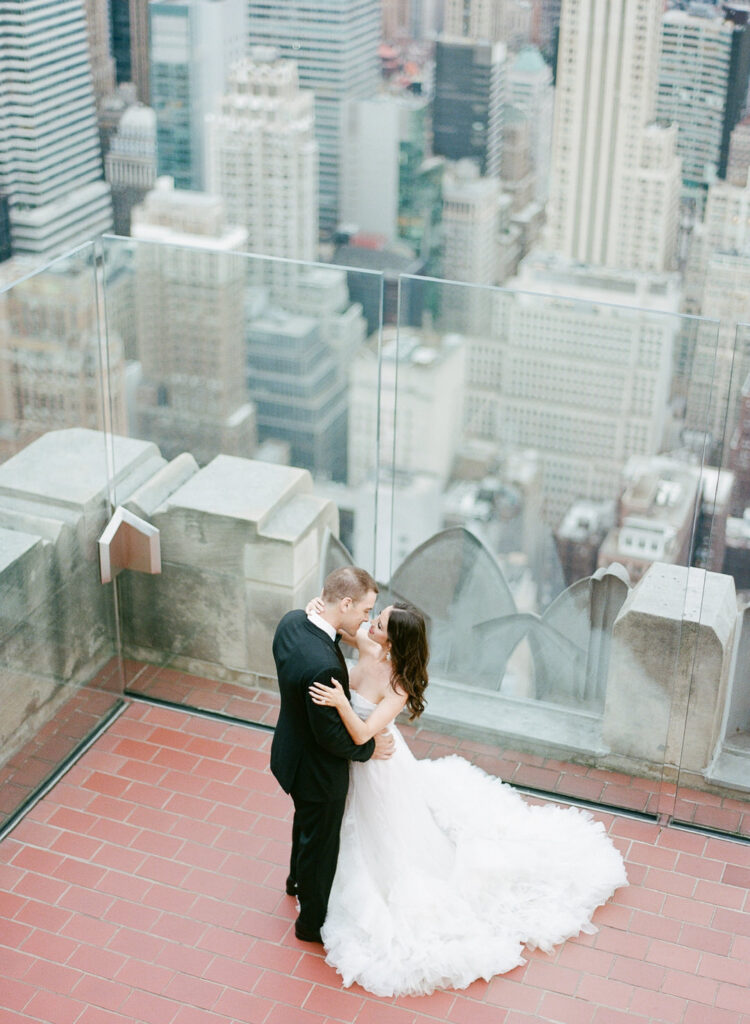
x=291, y=887
x=307, y=936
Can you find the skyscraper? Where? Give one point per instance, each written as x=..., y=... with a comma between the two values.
x=467, y=118
x=129, y=32
x=193, y=43
x=615, y=174
x=263, y=157
x=189, y=303
x=50, y=160
x=102, y=65
x=130, y=164
x=50, y=369
x=299, y=389
x=529, y=88
x=335, y=44
x=470, y=232
x=703, y=71
x=385, y=141
x=506, y=21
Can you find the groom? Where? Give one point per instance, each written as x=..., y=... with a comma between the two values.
x=311, y=749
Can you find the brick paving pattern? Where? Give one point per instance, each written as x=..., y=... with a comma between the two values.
x=147, y=888
x=630, y=792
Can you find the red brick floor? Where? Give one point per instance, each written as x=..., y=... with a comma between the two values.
x=581, y=782
x=147, y=888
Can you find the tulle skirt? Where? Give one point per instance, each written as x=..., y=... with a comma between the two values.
x=445, y=874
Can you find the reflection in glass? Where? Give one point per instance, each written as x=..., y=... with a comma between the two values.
x=59, y=675
x=49, y=352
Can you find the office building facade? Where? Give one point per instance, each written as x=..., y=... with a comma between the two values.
x=467, y=114
x=335, y=46
x=263, y=156
x=50, y=160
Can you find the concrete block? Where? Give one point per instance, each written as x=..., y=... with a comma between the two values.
x=670, y=660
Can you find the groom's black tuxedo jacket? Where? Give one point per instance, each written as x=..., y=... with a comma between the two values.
x=311, y=749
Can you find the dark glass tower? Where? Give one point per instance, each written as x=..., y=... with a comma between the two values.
x=467, y=111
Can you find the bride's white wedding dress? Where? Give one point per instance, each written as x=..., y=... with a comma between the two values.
x=445, y=874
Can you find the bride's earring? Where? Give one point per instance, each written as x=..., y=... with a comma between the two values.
x=387, y=655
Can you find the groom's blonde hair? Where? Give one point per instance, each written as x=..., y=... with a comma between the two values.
x=347, y=582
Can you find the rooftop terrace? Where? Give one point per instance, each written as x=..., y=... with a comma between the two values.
x=147, y=887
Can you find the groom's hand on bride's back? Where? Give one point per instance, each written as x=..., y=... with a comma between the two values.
x=384, y=746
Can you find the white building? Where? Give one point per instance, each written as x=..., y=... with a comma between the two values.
x=615, y=175
x=529, y=88
x=471, y=214
x=721, y=360
x=189, y=305
x=507, y=21
x=335, y=46
x=192, y=45
x=130, y=164
x=584, y=382
x=263, y=157
x=375, y=132
x=50, y=160
x=421, y=385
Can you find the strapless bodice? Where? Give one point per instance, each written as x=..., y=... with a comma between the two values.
x=362, y=706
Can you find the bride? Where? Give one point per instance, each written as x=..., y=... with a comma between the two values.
x=444, y=872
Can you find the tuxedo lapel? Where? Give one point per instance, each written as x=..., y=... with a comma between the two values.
x=335, y=647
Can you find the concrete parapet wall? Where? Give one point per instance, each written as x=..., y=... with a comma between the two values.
x=241, y=545
x=669, y=668
x=57, y=624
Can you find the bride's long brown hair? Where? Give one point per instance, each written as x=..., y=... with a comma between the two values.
x=409, y=654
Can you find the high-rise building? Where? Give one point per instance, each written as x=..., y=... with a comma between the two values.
x=335, y=46
x=385, y=144
x=615, y=174
x=703, y=71
x=102, y=64
x=263, y=157
x=189, y=308
x=471, y=244
x=518, y=178
x=130, y=164
x=506, y=21
x=467, y=112
x=721, y=359
x=397, y=23
x=739, y=454
x=299, y=389
x=471, y=211
x=529, y=89
x=5, y=247
x=50, y=161
x=563, y=371
x=129, y=33
x=417, y=391
x=192, y=45
x=50, y=369
x=738, y=161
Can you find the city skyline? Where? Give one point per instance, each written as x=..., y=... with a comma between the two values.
x=444, y=158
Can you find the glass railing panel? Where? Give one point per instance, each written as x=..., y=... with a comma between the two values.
x=714, y=770
x=59, y=672
x=252, y=383
x=546, y=483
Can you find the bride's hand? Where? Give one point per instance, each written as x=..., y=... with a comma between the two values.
x=328, y=696
x=316, y=605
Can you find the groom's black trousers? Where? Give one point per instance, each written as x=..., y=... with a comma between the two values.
x=315, y=850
